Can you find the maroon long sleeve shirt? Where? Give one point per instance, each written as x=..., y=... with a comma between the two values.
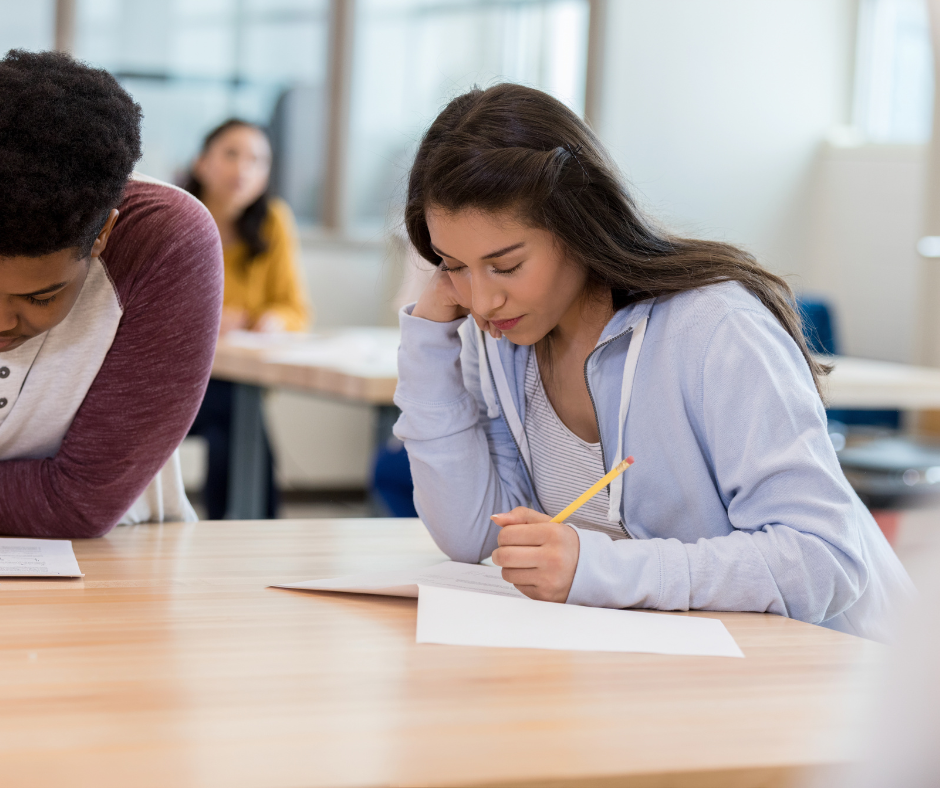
x=165, y=261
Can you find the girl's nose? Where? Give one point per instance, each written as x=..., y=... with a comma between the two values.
x=487, y=296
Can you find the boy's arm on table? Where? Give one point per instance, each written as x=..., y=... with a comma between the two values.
x=464, y=464
x=796, y=548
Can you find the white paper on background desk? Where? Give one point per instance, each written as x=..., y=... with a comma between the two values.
x=38, y=558
x=463, y=618
x=404, y=582
x=371, y=353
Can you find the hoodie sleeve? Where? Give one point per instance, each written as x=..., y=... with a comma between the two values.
x=463, y=459
x=796, y=546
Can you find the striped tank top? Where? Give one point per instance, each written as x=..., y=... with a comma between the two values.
x=563, y=465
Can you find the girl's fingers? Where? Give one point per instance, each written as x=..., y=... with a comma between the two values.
x=516, y=557
x=525, y=535
x=522, y=578
x=484, y=325
x=520, y=514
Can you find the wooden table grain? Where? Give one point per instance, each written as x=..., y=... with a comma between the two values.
x=172, y=664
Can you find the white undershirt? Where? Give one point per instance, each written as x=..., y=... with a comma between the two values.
x=14, y=367
x=563, y=465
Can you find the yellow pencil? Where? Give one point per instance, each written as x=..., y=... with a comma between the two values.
x=590, y=493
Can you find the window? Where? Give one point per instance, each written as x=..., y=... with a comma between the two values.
x=193, y=63
x=412, y=56
x=894, y=71
x=26, y=25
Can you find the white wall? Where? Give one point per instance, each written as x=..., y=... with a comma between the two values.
x=866, y=219
x=715, y=109
x=319, y=442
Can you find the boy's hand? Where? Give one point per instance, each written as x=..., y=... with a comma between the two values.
x=537, y=556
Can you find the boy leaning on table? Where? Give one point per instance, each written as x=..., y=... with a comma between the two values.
x=110, y=298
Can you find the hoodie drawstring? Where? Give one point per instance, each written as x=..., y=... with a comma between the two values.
x=626, y=390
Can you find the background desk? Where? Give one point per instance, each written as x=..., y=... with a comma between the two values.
x=356, y=365
x=864, y=383
x=171, y=664
x=360, y=365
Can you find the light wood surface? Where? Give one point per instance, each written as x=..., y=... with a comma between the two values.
x=172, y=664
x=362, y=368
x=864, y=383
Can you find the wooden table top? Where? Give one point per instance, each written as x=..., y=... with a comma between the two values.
x=358, y=364
x=172, y=664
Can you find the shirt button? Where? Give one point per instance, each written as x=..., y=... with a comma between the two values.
x=4, y=372
x=3, y=402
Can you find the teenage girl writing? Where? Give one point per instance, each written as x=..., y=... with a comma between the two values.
x=595, y=335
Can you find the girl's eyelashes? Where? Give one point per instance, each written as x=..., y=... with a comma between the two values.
x=41, y=301
x=447, y=270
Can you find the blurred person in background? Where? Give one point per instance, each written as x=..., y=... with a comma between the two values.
x=263, y=286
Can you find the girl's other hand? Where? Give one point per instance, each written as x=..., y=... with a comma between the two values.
x=537, y=556
x=233, y=319
x=269, y=322
x=440, y=302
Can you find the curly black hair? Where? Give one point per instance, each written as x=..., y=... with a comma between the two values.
x=69, y=139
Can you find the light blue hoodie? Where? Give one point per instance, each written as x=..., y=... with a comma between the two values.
x=736, y=500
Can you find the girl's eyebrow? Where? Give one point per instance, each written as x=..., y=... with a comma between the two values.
x=490, y=256
x=44, y=291
x=501, y=252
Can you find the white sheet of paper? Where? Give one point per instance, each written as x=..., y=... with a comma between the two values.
x=460, y=618
x=404, y=582
x=38, y=558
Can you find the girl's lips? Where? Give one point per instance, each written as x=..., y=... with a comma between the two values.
x=506, y=325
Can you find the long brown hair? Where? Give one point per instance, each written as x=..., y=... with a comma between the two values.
x=513, y=148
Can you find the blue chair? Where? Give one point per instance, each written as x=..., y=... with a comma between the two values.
x=820, y=333
x=391, y=479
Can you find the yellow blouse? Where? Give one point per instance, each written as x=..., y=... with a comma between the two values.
x=272, y=281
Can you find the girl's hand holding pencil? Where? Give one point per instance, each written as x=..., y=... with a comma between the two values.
x=539, y=554
x=538, y=557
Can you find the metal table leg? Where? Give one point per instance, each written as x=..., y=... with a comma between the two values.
x=247, y=487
